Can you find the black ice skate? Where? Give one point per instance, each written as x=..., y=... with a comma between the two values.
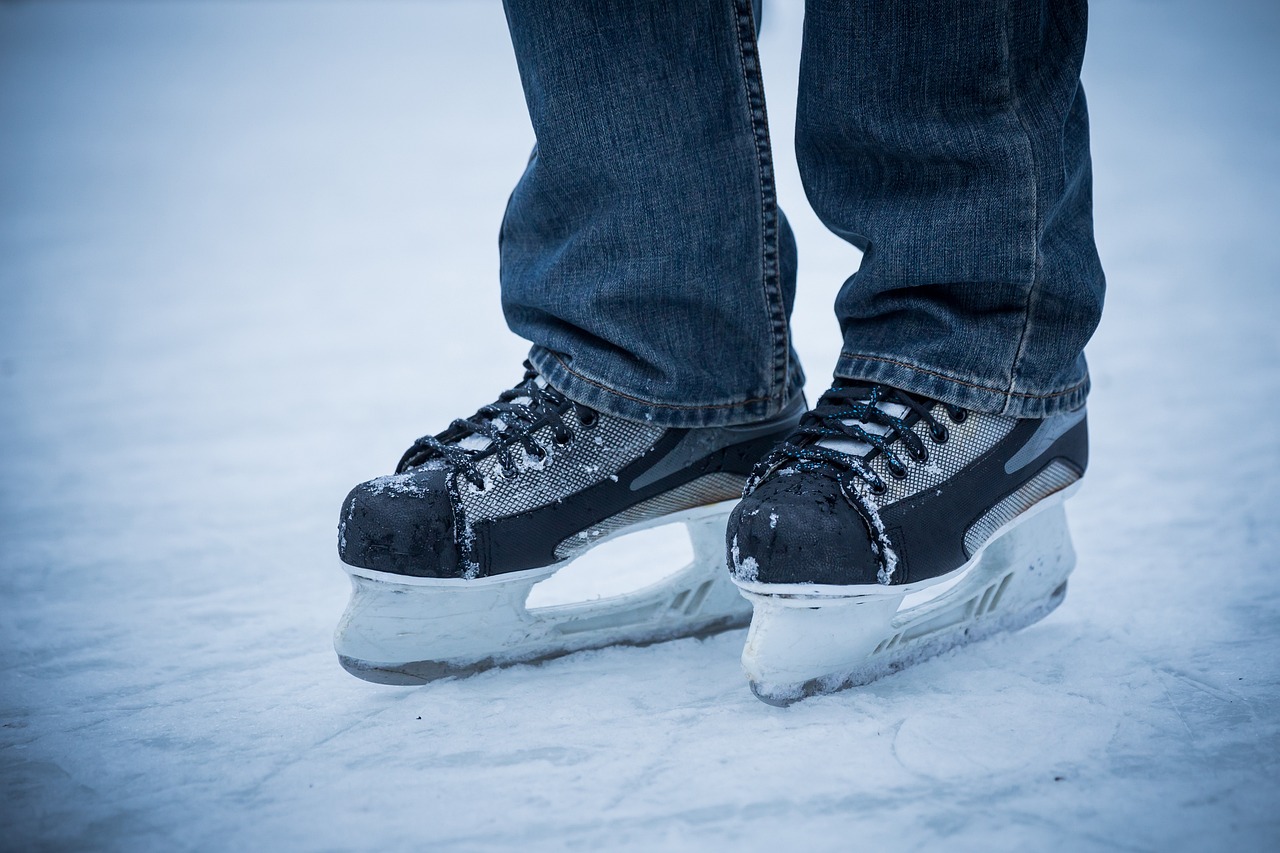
x=443, y=553
x=889, y=528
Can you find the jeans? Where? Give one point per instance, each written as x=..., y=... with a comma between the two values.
x=644, y=255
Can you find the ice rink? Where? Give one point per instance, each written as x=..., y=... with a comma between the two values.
x=248, y=254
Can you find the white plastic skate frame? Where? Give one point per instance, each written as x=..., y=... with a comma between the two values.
x=407, y=630
x=811, y=640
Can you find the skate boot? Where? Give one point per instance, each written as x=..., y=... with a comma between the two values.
x=442, y=554
x=889, y=528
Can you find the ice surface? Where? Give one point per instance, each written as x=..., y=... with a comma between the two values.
x=617, y=567
x=247, y=255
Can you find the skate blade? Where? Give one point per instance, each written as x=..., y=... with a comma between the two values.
x=805, y=645
x=406, y=631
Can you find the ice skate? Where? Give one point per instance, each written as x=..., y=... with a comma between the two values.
x=890, y=528
x=442, y=554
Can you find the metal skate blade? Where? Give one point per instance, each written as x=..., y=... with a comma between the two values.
x=407, y=631
x=785, y=695
x=407, y=674
x=801, y=646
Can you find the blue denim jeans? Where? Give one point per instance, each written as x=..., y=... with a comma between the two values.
x=645, y=256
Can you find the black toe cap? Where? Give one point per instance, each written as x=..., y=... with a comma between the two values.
x=798, y=528
x=401, y=524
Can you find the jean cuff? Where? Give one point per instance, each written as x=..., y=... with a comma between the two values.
x=965, y=393
x=596, y=394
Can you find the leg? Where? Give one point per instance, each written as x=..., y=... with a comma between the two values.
x=644, y=255
x=643, y=252
x=950, y=142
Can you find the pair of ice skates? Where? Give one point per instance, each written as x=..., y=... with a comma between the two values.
x=876, y=530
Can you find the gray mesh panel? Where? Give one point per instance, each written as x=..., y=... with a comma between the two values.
x=969, y=440
x=593, y=455
x=710, y=489
x=1058, y=475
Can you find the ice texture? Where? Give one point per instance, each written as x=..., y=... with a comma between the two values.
x=247, y=256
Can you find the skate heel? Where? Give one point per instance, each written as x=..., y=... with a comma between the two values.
x=403, y=630
x=802, y=645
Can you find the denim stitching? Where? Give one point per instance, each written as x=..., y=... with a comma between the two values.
x=943, y=376
x=753, y=87
x=1016, y=104
x=635, y=399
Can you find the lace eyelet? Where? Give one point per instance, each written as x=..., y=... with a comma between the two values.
x=588, y=418
x=922, y=456
x=939, y=435
x=878, y=487
x=562, y=440
x=959, y=416
x=897, y=473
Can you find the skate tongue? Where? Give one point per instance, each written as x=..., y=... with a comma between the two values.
x=478, y=443
x=538, y=382
x=474, y=442
x=853, y=447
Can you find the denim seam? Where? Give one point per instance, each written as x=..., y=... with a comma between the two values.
x=753, y=86
x=1071, y=390
x=615, y=392
x=1016, y=103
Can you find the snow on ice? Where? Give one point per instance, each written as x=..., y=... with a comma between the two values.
x=247, y=255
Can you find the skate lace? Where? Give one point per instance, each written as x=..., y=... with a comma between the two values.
x=507, y=423
x=848, y=412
